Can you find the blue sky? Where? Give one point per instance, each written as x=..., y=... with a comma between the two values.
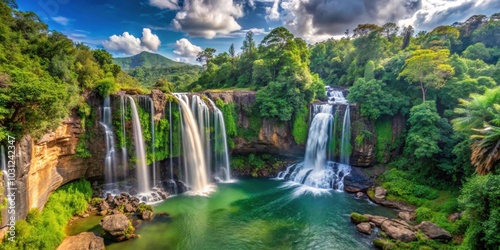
x=179, y=29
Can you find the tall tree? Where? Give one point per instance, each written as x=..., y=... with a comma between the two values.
x=427, y=68
x=206, y=55
x=407, y=34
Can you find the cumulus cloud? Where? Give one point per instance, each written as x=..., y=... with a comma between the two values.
x=184, y=48
x=208, y=19
x=131, y=45
x=165, y=4
x=273, y=12
x=441, y=12
x=61, y=20
x=317, y=19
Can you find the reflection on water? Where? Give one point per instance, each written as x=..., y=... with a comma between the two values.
x=257, y=214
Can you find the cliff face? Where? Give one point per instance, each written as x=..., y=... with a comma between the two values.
x=273, y=137
x=44, y=165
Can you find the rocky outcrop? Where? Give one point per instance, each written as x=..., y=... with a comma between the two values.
x=44, y=164
x=399, y=231
x=433, y=231
x=380, y=192
x=273, y=137
x=83, y=241
x=159, y=101
x=357, y=181
x=363, y=151
x=365, y=228
x=118, y=227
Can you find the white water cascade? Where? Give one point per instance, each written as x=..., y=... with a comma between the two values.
x=110, y=164
x=221, y=152
x=318, y=170
x=195, y=169
x=143, y=184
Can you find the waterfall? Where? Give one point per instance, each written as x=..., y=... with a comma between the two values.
x=221, y=151
x=317, y=170
x=143, y=184
x=346, y=137
x=123, y=103
x=3, y=168
x=202, y=114
x=110, y=173
x=152, y=114
x=193, y=158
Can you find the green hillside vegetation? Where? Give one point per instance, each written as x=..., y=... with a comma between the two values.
x=145, y=60
x=44, y=75
x=444, y=82
x=155, y=70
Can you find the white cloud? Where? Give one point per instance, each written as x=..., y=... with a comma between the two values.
x=131, y=45
x=442, y=12
x=185, y=48
x=165, y=4
x=201, y=18
x=242, y=33
x=273, y=12
x=61, y=20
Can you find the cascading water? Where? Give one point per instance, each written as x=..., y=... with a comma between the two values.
x=317, y=170
x=221, y=154
x=143, y=184
x=202, y=114
x=193, y=158
x=110, y=171
x=123, y=103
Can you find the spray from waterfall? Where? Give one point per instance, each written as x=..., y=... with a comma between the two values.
x=317, y=170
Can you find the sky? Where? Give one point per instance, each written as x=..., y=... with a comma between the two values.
x=179, y=29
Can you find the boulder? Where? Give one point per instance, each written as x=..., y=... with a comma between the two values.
x=129, y=208
x=364, y=227
x=359, y=194
x=433, y=231
x=103, y=205
x=405, y=215
x=83, y=241
x=398, y=231
x=358, y=218
x=147, y=215
x=118, y=226
x=377, y=220
x=380, y=192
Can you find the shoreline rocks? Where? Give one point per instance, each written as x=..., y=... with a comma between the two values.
x=82, y=241
x=118, y=226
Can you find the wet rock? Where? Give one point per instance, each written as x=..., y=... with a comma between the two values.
x=103, y=212
x=433, y=231
x=129, y=208
x=357, y=181
x=364, y=227
x=147, y=215
x=118, y=226
x=359, y=194
x=162, y=217
x=398, y=231
x=84, y=215
x=103, y=205
x=377, y=220
x=83, y=241
x=380, y=193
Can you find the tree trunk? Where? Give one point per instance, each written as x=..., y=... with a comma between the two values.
x=423, y=91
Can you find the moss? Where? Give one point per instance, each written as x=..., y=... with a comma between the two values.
x=129, y=231
x=381, y=244
x=383, y=129
x=95, y=201
x=87, y=118
x=144, y=207
x=299, y=130
x=358, y=218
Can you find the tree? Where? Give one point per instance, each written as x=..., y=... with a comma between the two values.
x=428, y=69
x=407, y=34
x=249, y=43
x=480, y=118
x=390, y=31
x=231, y=50
x=423, y=136
x=365, y=29
x=205, y=55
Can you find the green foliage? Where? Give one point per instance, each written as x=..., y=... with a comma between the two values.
x=423, y=136
x=144, y=207
x=45, y=230
x=384, y=143
x=481, y=199
x=145, y=60
x=299, y=130
x=252, y=164
x=373, y=100
x=106, y=87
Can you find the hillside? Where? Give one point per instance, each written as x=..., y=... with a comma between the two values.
x=145, y=60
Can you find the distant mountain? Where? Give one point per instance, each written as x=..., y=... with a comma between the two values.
x=146, y=60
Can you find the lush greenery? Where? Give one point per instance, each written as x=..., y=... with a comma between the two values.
x=145, y=60
x=45, y=230
x=44, y=75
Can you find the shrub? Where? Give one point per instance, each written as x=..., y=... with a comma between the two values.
x=358, y=218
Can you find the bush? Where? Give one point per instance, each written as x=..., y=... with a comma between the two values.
x=45, y=230
x=358, y=218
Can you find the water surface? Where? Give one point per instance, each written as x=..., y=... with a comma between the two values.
x=257, y=214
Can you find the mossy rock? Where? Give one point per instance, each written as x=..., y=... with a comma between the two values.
x=358, y=218
x=382, y=244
